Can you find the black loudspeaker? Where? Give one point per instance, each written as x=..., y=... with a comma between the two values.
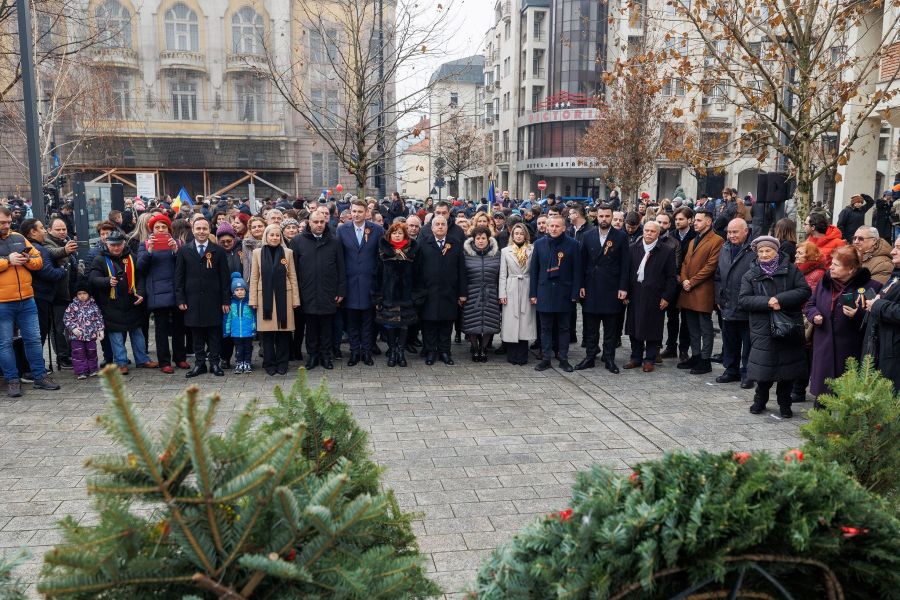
x=762, y=188
x=772, y=187
x=779, y=190
x=117, y=196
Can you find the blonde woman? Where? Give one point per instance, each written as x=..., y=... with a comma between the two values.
x=519, y=326
x=274, y=294
x=481, y=219
x=256, y=226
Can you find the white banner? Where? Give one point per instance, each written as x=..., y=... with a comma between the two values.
x=146, y=184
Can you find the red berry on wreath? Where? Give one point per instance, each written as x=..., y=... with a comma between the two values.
x=793, y=455
x=328, y=444
x=741, y=457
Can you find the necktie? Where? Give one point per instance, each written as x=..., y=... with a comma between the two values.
x=441, y=244
x=201, y=249
x=359, y=235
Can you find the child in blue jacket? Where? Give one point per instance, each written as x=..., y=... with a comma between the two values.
x=240, y=324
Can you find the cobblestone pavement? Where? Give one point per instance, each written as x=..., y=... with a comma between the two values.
x=478, y=449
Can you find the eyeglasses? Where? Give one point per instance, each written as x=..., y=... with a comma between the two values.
x=857, y=238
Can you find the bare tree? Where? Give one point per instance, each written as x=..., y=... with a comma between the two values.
x=460, y=148
x=800, y=75
x=350, y=57
x=630, y=134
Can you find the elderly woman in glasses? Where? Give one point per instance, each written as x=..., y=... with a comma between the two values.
x=874, y=252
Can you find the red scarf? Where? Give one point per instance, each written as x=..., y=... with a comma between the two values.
x=398, y=245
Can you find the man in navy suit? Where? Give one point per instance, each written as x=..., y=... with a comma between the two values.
x=359, y=238
x=555, y=283
x=605, y=257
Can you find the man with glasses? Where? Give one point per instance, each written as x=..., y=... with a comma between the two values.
x=18, y=259
x=874, y=252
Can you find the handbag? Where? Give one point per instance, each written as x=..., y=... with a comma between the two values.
x=784, y=327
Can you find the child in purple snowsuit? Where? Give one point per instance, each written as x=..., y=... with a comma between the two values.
x=84, y=326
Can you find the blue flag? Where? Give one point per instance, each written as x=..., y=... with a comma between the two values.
x=491, y=197
x=185, y=197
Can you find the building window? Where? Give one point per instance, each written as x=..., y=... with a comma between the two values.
x=326, y=110
x=250, y=95
x=539, y=25
x=323, y=49
x=506, y=66
x=182, y=29
x=114, y=21
x=507, y=31
x=184, y=101
x=536, y=97
x=247, y=32
x=506, y=98
x=454, y=99
x=537, y=64
x=45, y=36
x=673, y=87
x=325, y=168
x=121, y=93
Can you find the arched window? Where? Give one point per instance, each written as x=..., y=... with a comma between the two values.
x=114, y=23
x=182, y=29
x=247, y=32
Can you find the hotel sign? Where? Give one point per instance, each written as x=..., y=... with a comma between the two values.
x=561, y=162
x=554, y=116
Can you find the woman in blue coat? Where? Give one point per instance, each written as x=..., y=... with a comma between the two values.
x=158, y=268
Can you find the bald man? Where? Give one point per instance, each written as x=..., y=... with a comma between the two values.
x=735, y=259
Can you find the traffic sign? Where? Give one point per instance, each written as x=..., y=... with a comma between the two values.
x=542, y=185
x=439, y=183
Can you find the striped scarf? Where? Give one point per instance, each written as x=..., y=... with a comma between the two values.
x=129, y=275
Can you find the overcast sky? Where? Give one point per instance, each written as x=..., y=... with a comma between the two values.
x=466, y=28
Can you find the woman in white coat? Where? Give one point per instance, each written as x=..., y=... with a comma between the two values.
x=519, y=326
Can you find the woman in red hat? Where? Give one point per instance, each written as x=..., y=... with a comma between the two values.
x=156, y=261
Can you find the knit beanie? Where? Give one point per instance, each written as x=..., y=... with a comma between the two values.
x=83, y=285
x=766, y=241
x=159, y=218
x=225, y=228
x=237, y=281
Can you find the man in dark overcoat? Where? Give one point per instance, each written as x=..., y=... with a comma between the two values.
x=605, y=259
x=359, y=239
x=203, y=292
x=319, y=262
x=652, y=287
x=556, y=275
x=440, y=285
x=735, y=259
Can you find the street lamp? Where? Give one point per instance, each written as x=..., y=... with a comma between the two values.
x=31, y=120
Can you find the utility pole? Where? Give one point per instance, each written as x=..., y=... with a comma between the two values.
x=380, y=143
x=31, y=117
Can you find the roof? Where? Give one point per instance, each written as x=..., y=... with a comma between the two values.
x=469, y=69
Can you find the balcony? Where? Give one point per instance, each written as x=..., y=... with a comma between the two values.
x=182, y=60
x=235, y=63
x=501, y=158
x=116, y=57
x=506, y=10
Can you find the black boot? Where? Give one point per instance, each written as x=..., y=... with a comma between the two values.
x=589, y=362
x=760, y=399
x=401, y=357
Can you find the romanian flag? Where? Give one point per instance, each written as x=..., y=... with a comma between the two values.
x=491, y=198
x=182, y=198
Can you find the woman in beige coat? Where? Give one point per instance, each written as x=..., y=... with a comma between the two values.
x=274, y=294
x=519, y=326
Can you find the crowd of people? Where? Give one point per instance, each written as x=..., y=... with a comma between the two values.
x=214, y=278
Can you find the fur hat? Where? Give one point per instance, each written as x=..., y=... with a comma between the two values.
x=237, y=281
x=83, y=285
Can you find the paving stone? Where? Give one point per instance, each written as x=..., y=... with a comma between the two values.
x=477, y=451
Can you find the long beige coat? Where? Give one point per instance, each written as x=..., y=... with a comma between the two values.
x=699, y=265
x=293, y=293
x=519, y=317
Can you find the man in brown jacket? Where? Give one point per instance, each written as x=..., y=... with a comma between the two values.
x=698, y=292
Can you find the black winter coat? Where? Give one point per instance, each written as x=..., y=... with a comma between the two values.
x=65, y=288
x=392, y=286
x=320, y=272
x=158, y=271
x=645, y=319
x=45, y=281
x=440, y=279
x=203, y=283
x=774, y=359
x=605, y=271
x=119, y=314
x=852, y=218
x=481, y=312
x=728, y=280
x=883, y=332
